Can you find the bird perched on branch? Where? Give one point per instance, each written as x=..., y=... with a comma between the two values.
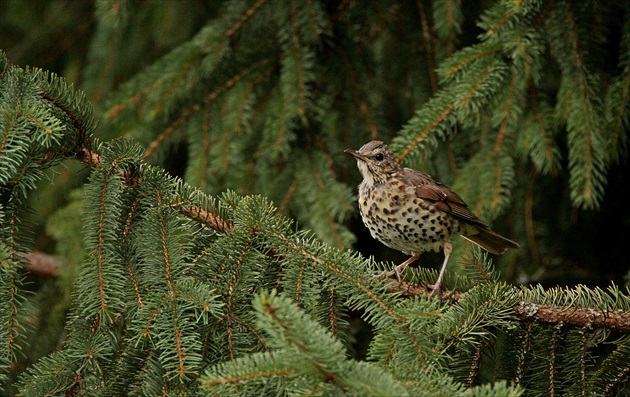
x=408, y=211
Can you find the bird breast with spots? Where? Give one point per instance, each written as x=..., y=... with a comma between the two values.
x=403, y=221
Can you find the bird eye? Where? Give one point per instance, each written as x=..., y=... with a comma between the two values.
x=379, y=156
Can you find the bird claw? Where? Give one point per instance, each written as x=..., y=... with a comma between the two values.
x=385, y=274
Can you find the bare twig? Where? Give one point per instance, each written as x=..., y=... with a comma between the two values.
x=583, y=317
x=207, y=218
x=41, y=264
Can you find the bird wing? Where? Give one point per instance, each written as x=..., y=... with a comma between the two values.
x=441, y=195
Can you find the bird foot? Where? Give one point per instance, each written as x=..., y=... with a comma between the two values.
x=382, y=274
x=398, y=272
x=385, y=274
x=436, y=290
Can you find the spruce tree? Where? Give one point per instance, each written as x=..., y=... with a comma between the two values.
x=177, y=216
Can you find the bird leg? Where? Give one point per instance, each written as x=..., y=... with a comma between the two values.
x=399, y=269
x=448, y=250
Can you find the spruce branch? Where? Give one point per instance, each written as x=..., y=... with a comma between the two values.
x=363, y=284
x=552, y=360
x=118, y=108
x=475, y=365
x=429, y=43
x=509, y=117
x=582, y=317
x=615, y=320
x=186, y=112
x=300, y=347
x=208, y=218
x=580, y=104
x=422, y=135
x=547, y=314
x=165, y=290
x=365, y=107
x=300, y=59
x=462, y=98
x=244, y=18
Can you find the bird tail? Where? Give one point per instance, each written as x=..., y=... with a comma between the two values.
x=490, y=241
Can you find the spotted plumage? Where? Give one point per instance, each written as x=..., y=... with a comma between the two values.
x=408, y=211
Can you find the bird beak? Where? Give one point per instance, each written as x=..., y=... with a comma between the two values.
x=355, y=154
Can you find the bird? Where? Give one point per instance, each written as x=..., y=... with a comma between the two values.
x=408, y=211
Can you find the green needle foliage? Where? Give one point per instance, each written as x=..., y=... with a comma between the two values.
x=297, y=361
x=192, y=185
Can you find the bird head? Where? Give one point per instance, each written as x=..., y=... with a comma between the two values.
x=375, y=161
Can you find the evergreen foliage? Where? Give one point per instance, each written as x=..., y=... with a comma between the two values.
x=201, y=207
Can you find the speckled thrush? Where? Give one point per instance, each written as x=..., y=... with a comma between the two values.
x=408, y=211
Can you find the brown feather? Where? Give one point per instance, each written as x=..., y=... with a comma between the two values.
x=441, y=195
x=490, y=241
x=448, y=201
